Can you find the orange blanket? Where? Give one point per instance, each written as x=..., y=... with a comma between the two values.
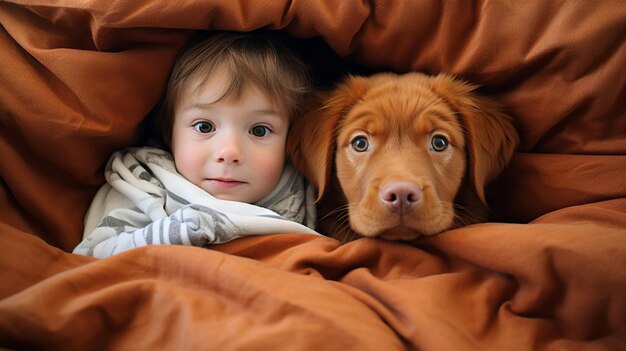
x=78, y=78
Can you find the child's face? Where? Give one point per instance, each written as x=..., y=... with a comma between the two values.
x=234, y=148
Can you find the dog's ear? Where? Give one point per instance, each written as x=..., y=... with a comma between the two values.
x=312, y=138
x=491, y=138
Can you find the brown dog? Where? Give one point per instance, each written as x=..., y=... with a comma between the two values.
x=401, y=156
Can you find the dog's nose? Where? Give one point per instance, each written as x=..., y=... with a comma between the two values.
x=400, y=197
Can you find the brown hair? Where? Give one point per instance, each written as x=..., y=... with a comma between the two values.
x=249, y=58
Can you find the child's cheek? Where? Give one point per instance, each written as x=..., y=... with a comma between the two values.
x=185, y=166
x=272, y=168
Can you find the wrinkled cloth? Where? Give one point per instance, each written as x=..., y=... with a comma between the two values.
x=79, y=77
x=147, y=202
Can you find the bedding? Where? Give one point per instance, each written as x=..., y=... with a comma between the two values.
x=147, y=202
x=548, y=273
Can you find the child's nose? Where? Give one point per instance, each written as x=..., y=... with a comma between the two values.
x=230, y=152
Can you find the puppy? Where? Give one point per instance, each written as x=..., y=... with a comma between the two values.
x=401, y=156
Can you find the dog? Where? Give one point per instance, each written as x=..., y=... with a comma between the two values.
x=401, y=156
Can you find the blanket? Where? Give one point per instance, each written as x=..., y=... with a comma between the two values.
x=147, y=202
x=79, y=78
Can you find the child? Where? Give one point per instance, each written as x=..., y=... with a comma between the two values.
x=225, y=117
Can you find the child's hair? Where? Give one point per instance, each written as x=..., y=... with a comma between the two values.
x=249, y=58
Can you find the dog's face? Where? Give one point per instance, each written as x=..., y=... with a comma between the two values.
x=400, y=161
x=401, y=147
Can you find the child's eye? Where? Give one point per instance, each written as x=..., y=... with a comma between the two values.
x=204, y=127
x=260, y=131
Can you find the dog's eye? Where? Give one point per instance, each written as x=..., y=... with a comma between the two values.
x=360, y=144
x=439, y=143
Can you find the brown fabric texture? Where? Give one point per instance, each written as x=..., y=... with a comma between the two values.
x=78, y=78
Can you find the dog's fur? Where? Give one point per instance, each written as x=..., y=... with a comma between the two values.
x=400, y=187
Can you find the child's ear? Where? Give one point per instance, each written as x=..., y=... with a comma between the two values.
x=490, y=136
x=311, y=142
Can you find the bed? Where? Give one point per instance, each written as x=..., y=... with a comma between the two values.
x=547, y=273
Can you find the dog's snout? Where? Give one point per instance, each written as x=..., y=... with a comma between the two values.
x=400, y=197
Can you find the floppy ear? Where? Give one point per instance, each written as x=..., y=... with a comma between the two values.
x=490, y=136
x=311, y=142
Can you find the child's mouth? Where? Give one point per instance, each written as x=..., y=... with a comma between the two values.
x=225, y=183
